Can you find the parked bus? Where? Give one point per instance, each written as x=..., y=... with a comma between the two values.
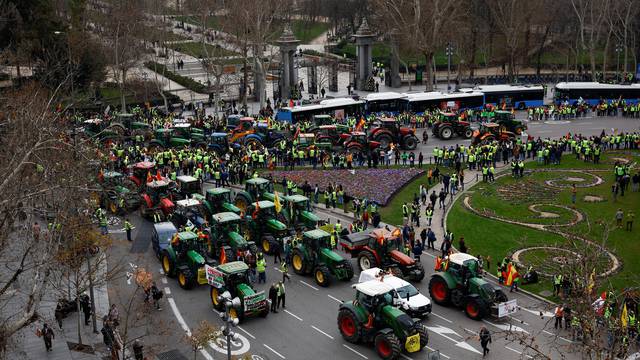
x=387, y=102
x=420, y=102
x=511, y=96
x=593, y=92
x=337, y=108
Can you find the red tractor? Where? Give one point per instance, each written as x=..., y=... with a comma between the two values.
x=357, y=142
x=387, y=131
x=140, y=172
x=448, y=124
x=489, y=132
x=330, y=134
x=382, y=248
x=156, y=200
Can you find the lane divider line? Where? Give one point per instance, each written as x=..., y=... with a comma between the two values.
x=443, y=318
x=164, y=280
x=275, y=352
x=167, y=290
x=334, y=298
x=322, y=332
x=309, y=285
x=246, y=332
x=441, y=354
x=292, y=314
x=184, y=326
x=559, y=337
x=514, y=350
x=354, y=350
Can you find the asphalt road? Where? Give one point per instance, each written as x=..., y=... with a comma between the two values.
x=307, y=328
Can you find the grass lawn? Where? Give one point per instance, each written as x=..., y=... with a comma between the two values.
x=200, y=50
x=495, y=238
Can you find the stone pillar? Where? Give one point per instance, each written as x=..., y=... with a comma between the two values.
x=364, y=47
x=288, y=45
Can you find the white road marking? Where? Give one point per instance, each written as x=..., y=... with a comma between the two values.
x=277, y=269
x=548, y=333
x=292, y=314
x=167, y=290
x=336, y=299
x=405, y=356
x=164, y=280
x=537, y=312
x=443, y=318
x=275, y=352
x=441, y=330
x=470, y=331
x=520, y=321
x=184, y=326
x=352, y=349
x=246, y=332
x=514, y=350
x=544, y=131
x=506, y=327
x=322, y=332
x=309, y=285
x=432, y=349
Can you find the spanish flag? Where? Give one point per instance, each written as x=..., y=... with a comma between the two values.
x=254, y=215
x=438, y=263
x=149, y=177
x=276, y=202
x=512, y=274
x=158, y=175
x=223, y=256
x=360, y=125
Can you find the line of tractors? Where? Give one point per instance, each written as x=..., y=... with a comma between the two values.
x=503, y=126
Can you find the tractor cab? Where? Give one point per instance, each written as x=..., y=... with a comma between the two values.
x=306, y=140
x=93, y=126
x=317, y=239
x=233, y=278
x=358, y=139
x=320, y=120
x=298, y=212
x=226, y=222
x=507, y=121
x=187, y=185
x=227, y=231
x=234, y=273
x=264, y=227
x=374, y=295
x=189, y=211
x=463, y=266
x=386, y=123
x=232, y=121
x=156, y=198
x=491, y=128
x=186, y=258
x=219, y=142
x=140, y=172
x=258, y=187
x=448, y=117
x=186, y=131
x=244, y=127
x=218, y=200
x=111, y=178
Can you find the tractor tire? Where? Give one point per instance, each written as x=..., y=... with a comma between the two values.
x=475, y=308
x=457, y=298
x=350, y=328
x=385, y=141
x=168, y=265
x=349, y=269
x=354, y=150
x=264, y=313
x=420, y=270
x=214, y=293
x=467, y=133
x=267, y=243
x=424, y=335
x=446, y=132
x=297, y=262
x=439, y=291
x=242, y=202
x=388, y=346
x=185, y=279
x=366, y=260
x=252, y=143
x=410, y=142
x=322, y=275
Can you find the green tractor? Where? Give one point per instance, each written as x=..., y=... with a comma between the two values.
x=254, y=189
x=186, y=131
x=296, y=212
x=167, y=138
x=314, y=255
x=114, y=195
x=186, y=186
x=233, y=278
x=217, y=200
x=508, y=121
x=373, y=318
x=226, y=234
x=184, y=258
x=102, y=130
x=458, y=282
x=264, y=229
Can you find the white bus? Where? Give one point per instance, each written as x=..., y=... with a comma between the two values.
x=337, y=108
x=593, y=92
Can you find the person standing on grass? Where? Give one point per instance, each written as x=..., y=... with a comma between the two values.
x=630, y=216
x=619, y=217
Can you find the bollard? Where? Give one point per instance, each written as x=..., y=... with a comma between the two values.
x=442, y=222
x=476, y=177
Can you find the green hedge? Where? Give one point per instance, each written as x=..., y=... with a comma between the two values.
x=187, y=82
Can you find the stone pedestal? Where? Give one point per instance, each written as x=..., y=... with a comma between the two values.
x=364, y=38
x=288, y=45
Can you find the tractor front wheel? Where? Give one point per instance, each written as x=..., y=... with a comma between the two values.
x=419, y=272
x=439, y=291
x=168, y=265
x=388, y=346
x=475, y=308
x=322, y=276
x=446, y=133
x=349, y=326
x=185, y=279
x=267, y=243
x=215, y=298
x=410, y=142
x=366, y=260
x=385, y=141
x=468, y=133
x=424, y=335
x=297, y=261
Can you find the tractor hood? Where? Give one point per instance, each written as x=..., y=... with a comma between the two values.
x=406, y=131
x=121, y=190
x=275, y=225
x=332, y=255
x=195, y=257
x=309, y=217
x=230, y=207
x=401, y=258
x=236, y=239
x=245, y=290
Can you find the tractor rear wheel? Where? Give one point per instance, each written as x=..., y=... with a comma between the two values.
x=214, y=293
x=387, y=346
x=297, y=262
x=501, y=296
x=322, y=276
x=185, y=279
x=445, y=132
x=349, y=270
x=267, y=242
x=366, y=260
x=475, y=308
x=242, y=202
x=468, y=133
x=348, y=325
x=439, y=290
x=410, y=142
x=385, y=141
x=420, y=272
x=424, y=335
x=168, y=265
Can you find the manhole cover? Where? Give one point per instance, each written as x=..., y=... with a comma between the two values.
x=171, y=355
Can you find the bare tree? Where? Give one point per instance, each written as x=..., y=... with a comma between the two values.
x=591, y=16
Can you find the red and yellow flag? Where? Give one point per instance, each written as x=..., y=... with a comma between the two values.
x=223, y=256
x=254, y=215
x=512, y=274
x=149, y=177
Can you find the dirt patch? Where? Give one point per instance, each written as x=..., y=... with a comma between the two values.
x=575, y=179
x=620, y=160
x=526, y=192
x=593, y=198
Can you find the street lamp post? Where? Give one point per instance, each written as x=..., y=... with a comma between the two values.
x=230, y=306
x=619, y=49
x=449, y=52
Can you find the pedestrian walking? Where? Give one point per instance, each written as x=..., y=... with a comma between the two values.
x=85, y=304
x=114, y=315
x=156, y=294
x=281, y=295
x=619, y=217
x=462, y=246
x=138, y=350
x=47, y=335
x=630, y=216
x=128, y=227
x=431, y=239
x=261, y=268
x=59, y=315
x=284, y=268
x=485, y=340
x=273, y=297
x=445, y=247
x=558, y=314
x=108, y=337
x=417, y=251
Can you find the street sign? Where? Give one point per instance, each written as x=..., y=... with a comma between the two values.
x=507, y=308
x=252, y=302
x=214, y=276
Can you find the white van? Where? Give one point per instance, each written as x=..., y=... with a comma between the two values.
x=406, y=296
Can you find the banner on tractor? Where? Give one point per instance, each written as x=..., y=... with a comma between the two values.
x=507, y=308
x=214, y=277
x=253, y=302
